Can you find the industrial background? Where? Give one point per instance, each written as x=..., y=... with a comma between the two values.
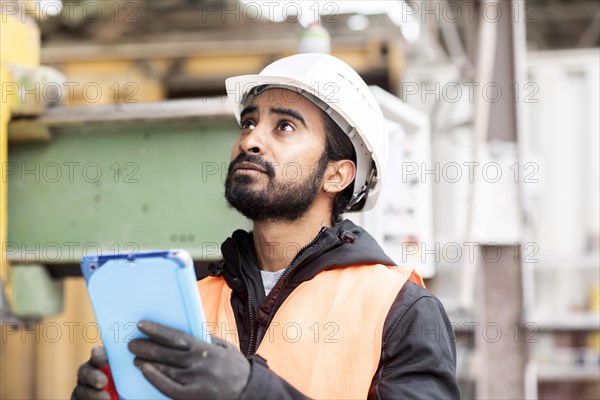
x=115, y=137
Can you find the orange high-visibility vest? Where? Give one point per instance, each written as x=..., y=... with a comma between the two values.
x=326, y=337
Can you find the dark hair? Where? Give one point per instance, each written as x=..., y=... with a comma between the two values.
x=338, y=147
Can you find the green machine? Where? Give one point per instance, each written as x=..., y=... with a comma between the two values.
x=119, y=178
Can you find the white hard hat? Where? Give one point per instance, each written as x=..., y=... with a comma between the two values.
x=338, y=90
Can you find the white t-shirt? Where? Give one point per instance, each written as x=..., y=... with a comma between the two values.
x=270, y=279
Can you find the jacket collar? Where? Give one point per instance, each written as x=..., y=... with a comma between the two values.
x=343, y=245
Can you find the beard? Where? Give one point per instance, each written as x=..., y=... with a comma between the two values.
x=281, y=200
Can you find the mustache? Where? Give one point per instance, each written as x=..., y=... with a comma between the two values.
x=267, y=166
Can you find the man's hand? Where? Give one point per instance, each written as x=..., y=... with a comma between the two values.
x=183, y=367
x=90, y=380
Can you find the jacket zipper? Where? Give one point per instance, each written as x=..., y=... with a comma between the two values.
x=254, y=340
x=315, y=240
x=250, y=312
x=252, y=322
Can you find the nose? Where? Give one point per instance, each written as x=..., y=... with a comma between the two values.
x=253, y=144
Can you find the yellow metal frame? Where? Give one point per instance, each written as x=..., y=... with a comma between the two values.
x=19, y=45
x=4, y=119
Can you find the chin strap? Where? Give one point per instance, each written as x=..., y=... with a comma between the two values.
x=357, y=197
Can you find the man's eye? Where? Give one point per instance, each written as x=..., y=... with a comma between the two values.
x=248, y=124
x=286, y=126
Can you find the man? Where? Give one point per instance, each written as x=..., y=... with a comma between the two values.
x=309, y=305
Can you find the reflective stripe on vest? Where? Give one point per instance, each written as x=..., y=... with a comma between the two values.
x=326, y=337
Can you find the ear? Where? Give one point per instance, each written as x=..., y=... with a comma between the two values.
x=338, y=176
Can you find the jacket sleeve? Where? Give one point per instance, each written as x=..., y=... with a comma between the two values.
x=265, y=384
x=418, y=359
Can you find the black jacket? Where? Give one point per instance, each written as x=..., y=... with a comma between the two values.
x=418, y=356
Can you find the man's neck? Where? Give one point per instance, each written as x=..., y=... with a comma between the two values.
x=277, y=242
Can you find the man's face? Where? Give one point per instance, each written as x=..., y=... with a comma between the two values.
x=279, y=160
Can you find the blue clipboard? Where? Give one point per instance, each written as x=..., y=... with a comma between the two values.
x=126, y=288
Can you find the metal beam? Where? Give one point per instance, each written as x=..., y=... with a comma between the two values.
x=120, y=186
x=122, y=114
x=501, y=343
x=499, y=293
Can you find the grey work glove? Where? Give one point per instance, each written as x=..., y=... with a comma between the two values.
x=90, y=380
x=183, y=367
